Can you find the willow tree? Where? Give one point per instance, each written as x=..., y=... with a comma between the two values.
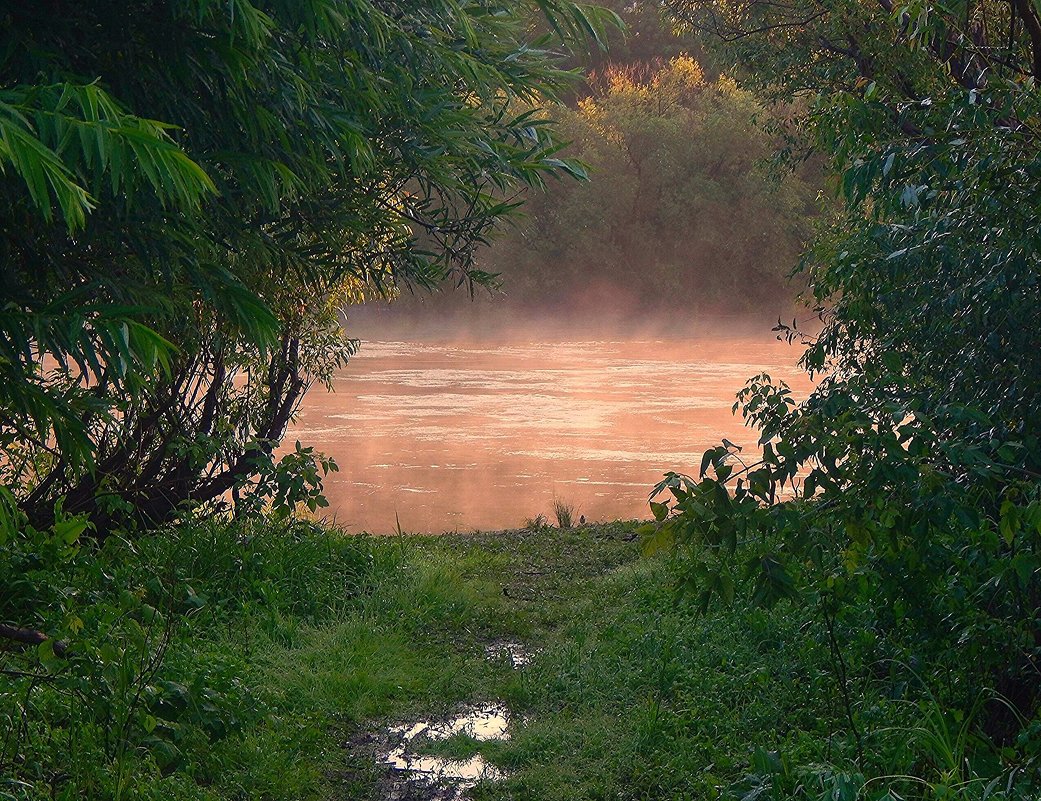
x=190, y=192
x=681, y=187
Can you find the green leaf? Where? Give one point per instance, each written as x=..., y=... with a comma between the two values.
x=656, y=538
x=69, y=530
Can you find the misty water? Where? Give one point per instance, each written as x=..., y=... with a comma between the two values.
x=439, y=436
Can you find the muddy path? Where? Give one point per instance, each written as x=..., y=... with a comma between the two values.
x=542, y=578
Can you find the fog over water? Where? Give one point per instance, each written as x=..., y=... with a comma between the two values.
x=446, y=435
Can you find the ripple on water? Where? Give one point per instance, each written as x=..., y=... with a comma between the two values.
x=486, y=435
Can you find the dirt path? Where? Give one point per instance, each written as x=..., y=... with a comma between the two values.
x=542, y=577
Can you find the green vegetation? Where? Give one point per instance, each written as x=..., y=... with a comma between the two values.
x=193, y=191
x=192, y=194
x=268, y=662
x=901, y=499
x=214, y=661
x=236, y=661
x=564, y=512
x=685, y=181
x=683, y=187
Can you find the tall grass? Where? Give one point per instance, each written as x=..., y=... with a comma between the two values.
x=215, y=661
x=289, y=640
x=564, y=512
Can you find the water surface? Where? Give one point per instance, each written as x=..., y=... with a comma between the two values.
x=444, y=437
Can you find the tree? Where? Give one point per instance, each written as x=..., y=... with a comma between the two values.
x=650, y=36
x=902, y=496
x=191, y=190
x=682, y=186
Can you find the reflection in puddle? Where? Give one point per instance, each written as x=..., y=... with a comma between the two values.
x=508, y=651
x=454, y=776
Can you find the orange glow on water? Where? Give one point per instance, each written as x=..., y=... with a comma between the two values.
x=448, y=436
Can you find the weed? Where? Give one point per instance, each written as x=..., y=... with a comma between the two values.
x=290, y=637
x=536, y=523
x=564, y=512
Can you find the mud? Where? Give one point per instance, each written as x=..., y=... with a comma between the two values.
x=408, y=773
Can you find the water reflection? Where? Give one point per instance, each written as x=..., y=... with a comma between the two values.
x=445, y=436
x=508, y=651
x=480, y=723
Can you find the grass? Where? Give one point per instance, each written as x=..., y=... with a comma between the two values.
x=535, y=523
x=630, y=696
x=564, y=512
x=303, y=640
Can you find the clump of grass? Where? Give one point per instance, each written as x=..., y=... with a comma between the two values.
x=536, y=523
x=565, y=513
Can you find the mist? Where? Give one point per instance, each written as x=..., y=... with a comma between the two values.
x=459, y=424
x=624, y=315
x=604, y=311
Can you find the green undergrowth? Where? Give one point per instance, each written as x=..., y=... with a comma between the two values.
x=235, y=662
x=223, y=662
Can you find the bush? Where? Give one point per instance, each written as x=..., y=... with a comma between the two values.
x=131, y=679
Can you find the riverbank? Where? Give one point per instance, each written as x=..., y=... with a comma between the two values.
x=289, y=662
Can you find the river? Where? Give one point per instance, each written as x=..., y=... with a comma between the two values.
x=437, y=436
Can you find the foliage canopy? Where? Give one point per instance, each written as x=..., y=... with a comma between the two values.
x=902, y=496
x=194, y=190
x=191, y=193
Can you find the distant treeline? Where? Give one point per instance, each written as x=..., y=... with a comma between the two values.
x=682, y=209
x=687, y=207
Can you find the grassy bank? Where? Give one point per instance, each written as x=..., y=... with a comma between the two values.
x=215, y=663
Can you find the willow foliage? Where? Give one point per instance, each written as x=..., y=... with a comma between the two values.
x=187, y=188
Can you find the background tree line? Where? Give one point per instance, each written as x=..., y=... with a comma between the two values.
x=686, y=209
x=683, y=212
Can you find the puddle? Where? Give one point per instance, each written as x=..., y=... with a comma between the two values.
x=434, y=778
x=508, y=651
